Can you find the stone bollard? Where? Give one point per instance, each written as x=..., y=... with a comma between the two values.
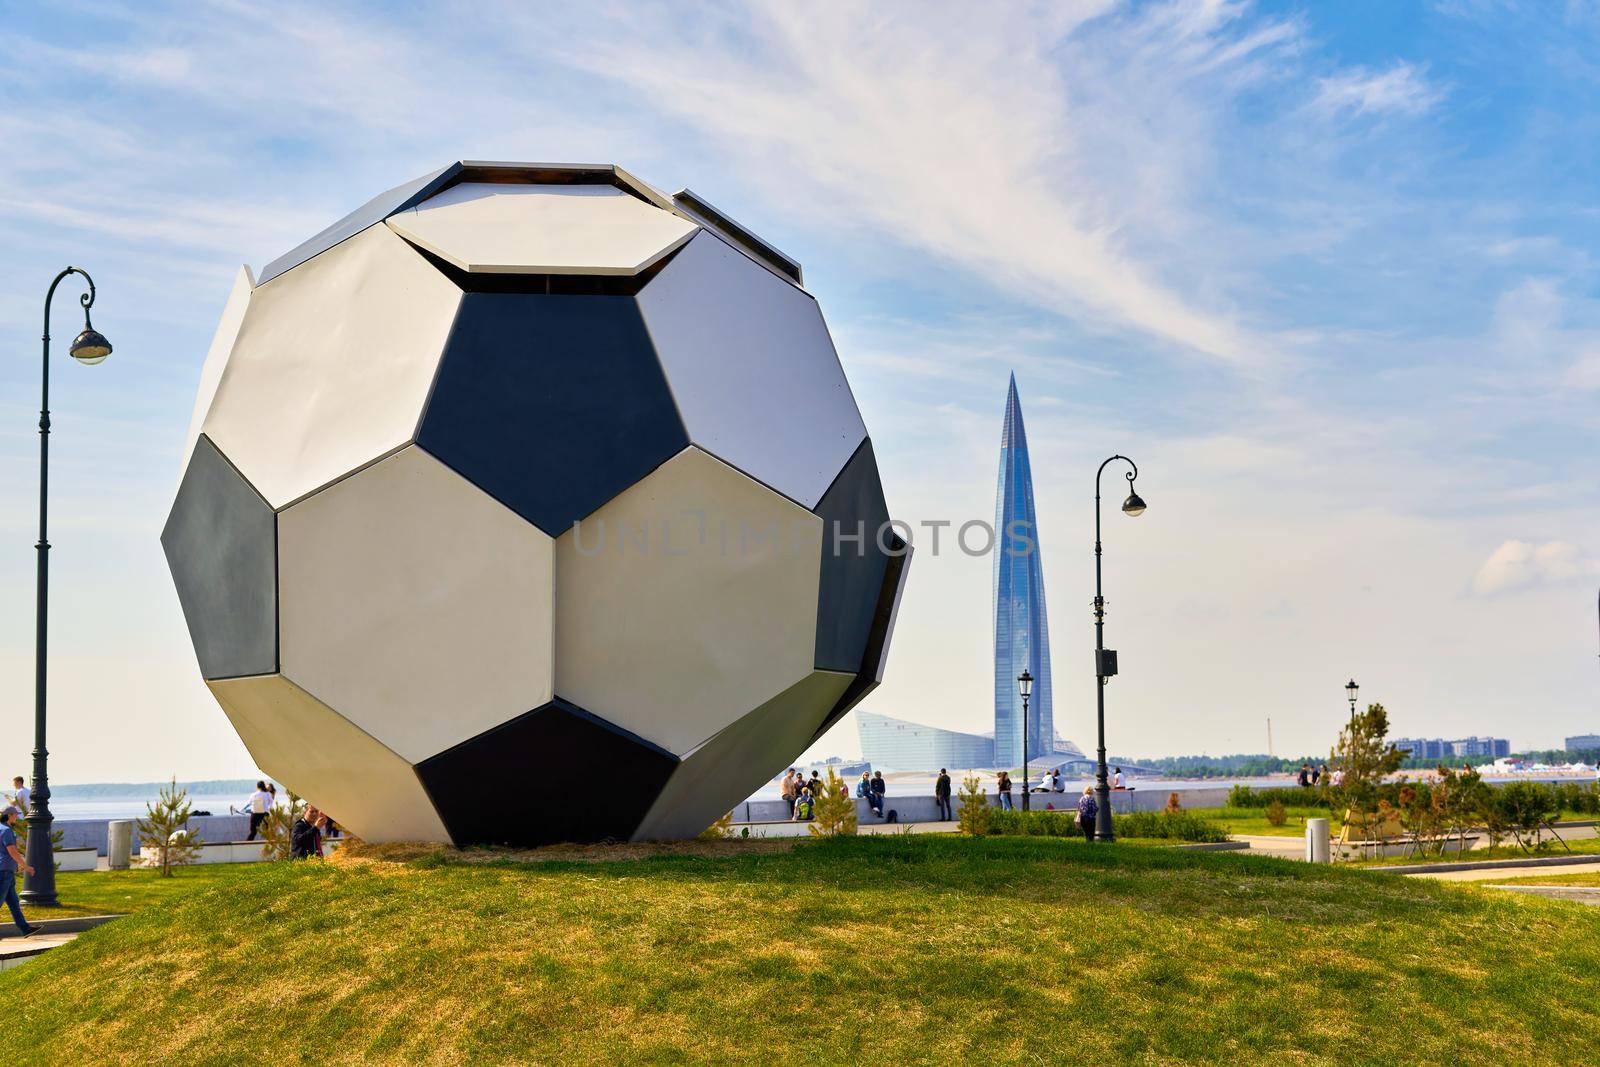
x=119, y=844
x=1317, y=841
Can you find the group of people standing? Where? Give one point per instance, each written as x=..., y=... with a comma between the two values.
x=1310, y=776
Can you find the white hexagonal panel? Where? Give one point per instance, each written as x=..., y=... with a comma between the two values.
x=686, y=601
x=752, y=368
x=542, y=229
x=415, y=604
x=217, y=357
x=725, y=770
x=332, y=365
x=302, y=743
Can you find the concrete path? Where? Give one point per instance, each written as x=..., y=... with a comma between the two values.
x=1582, y=894
x=15, y=951
x=1493, y=873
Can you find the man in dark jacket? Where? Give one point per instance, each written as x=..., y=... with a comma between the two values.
x=941, y=793
x=305, y=840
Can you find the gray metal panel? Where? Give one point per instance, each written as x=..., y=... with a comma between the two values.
x=221, y=546
x=704, y=212
x=752, y=369
x=876, y=656
x=377, y=209
x=852, y=568
x=740, y=759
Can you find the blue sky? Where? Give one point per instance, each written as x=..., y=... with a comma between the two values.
x=1328, y=272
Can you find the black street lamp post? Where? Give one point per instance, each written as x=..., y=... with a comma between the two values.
x=1350, y=690
x=89, y=347
x=1105, y=659
x=1025, y=687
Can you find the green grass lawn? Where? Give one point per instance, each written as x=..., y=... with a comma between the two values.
x=1583, y=846
x=889, y=949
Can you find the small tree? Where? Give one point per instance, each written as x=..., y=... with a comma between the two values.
x=973, y=818
x=1365, y=758
x=720, y=830
x=1527, y=807
x=1276, y=815
x=164, y=831
x=277, y=829
x=834, y=811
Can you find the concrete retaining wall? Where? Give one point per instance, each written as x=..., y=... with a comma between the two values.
x=91, y=833
x=923, y=808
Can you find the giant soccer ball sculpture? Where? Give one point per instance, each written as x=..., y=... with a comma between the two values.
x=529, y=504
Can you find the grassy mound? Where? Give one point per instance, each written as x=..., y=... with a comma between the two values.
x=888, y=948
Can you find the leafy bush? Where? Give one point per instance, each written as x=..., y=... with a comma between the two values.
x=1180, y=826
x=1168, y=826
x=1243, y=796
x=720, y=830
x=1276, y=814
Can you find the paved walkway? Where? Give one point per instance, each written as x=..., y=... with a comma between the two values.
x=15, y=951
x=1492, y=874
x=1582, y=894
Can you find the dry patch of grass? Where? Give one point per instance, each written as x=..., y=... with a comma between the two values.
x=605, y=852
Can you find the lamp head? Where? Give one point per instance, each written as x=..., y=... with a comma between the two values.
x=1350, y=690
x=1025, y=684
x=1134, y=505
x=90, y=347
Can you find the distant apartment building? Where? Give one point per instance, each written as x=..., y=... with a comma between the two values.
x=1583, y=741
x=1465, y=748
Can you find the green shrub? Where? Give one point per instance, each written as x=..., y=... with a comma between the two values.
x=1178, y=826
x=1243, y=796
x=1168, y=826
x=1277, y=815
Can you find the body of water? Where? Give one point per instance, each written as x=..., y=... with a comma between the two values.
x=133, y=807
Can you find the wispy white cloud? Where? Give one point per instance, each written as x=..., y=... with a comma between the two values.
x=964, y=134
x=1403, y=89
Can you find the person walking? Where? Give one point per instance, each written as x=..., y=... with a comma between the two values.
x=879, y=789
x=1318, y=772
x=23, y=795
x=1305, y=776
x=12, y=861
x=260, y=804
x=1003, y=791
x=941, y=793
x=1087, y=810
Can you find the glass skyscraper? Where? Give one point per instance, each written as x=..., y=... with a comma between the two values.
x=1021, y=630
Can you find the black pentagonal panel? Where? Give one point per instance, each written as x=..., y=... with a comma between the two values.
x=551, y=404
x=221, y=541
x=870, y=671
x=853, y=513
x=555, y=774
